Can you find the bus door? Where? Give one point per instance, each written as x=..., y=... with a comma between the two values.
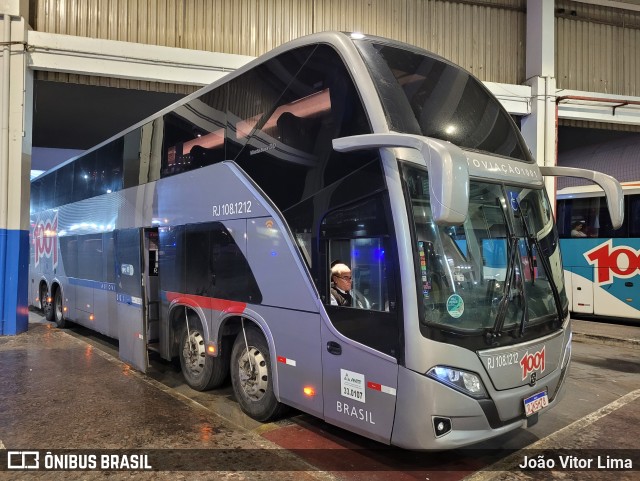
x=361, y=339
x=151, y=286
x=132, y=329
x=582, y=290
x=359, y=387
x=578, y=275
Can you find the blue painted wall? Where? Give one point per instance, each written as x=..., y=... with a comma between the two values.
x=14, y=256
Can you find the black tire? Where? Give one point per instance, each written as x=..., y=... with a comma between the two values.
x=253, y=382
x=42, y=295
x=58, y=310
x=201, y=371
x=48, y=309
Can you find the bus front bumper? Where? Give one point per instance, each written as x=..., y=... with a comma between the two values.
x=471, y=420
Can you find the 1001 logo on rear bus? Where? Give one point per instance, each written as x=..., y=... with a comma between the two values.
x=44, y=241
x=610, y=262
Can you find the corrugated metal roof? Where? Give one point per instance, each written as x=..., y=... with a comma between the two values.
x=485, y=37
x=597, y=48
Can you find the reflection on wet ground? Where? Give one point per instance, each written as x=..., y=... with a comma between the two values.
x=58, y=392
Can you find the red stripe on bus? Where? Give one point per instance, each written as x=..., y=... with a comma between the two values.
x=282, y=359
x=374, y=385
x=207, y=302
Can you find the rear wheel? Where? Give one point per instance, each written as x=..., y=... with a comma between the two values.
x=202, y=372
x=58, y=310
x=251, y=377
x=42, y=296
x=47, y=307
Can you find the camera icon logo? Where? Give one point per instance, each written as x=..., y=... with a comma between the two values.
x=23, y=460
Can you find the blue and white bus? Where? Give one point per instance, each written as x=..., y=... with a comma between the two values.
x=208, y=232
x=601, y=263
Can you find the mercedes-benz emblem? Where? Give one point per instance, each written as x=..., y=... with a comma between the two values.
x=533, y=379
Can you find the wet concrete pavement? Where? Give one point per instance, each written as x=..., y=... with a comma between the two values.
x=607, y=333
x=597, y=439
x=60, y=392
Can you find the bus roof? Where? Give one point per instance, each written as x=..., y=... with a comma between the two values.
x=594, y=190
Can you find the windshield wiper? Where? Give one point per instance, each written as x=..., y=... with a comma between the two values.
x=545, y=265
x=504, y=302
x=554, y=288
x=529, y=238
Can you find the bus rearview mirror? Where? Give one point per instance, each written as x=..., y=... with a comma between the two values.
x=447, y=166
x=612, y=188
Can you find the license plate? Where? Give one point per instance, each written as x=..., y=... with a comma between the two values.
x=535, y=403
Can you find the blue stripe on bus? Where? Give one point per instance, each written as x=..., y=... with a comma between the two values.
x=14, y=255
x=107, y=286
x=100, y=285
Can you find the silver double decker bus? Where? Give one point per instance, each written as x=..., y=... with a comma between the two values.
x=209, y=231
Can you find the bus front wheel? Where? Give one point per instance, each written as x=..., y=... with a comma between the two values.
x=251, y=376
x=202, y=372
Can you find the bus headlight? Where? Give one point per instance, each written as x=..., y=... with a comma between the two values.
x=466, y=382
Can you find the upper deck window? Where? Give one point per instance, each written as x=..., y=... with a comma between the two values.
x=282, y=116
x=427, y=95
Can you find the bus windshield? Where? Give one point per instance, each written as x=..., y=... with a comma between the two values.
x=498, y=272
x=427, y=95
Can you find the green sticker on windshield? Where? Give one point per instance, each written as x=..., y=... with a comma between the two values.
x=455, y=305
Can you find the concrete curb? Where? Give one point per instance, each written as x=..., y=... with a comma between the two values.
x=610, y=341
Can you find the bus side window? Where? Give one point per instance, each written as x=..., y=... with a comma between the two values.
x=357, y=236
x=369, y=275
x=194, y=133
x=215, y=265
x=90, y=254
x=280, y=132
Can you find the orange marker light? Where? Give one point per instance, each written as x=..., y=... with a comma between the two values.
x=309, y=391
x=91, y=317
x=211, y=349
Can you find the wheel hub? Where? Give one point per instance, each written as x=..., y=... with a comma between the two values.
x=58, y=302
x=43, y=298
x=253, y=373
x=193, y=352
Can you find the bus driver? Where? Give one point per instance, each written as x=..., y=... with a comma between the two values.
x=341, y=291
